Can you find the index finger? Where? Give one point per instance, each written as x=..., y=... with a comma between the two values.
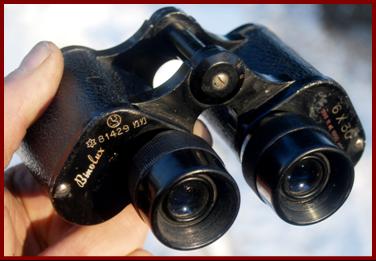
x=28, y=91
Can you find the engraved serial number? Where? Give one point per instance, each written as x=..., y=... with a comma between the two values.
x=113, y=134
x=116, y=132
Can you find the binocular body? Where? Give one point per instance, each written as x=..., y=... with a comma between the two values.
x=109, y=138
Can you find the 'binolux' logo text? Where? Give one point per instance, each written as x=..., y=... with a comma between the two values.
x=82, y=178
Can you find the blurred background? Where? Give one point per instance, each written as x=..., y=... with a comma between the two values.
x=335, y=39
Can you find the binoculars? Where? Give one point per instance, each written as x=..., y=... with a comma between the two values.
x=109, y=138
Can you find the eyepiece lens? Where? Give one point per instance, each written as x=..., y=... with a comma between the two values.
x=189, y=199
x=306, y=177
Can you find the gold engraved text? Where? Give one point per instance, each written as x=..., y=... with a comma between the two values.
x=82, y=178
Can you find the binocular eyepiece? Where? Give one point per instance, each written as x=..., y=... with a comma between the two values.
x=295, y=167
x=182, y=188
x=109, y=139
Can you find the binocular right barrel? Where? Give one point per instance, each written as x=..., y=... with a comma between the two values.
x=294, y=166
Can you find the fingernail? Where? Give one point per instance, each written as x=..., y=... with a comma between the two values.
x=36, y=56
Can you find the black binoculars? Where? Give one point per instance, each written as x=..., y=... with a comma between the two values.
x=109, y=138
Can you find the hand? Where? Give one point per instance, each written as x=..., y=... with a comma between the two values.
x=31, y=226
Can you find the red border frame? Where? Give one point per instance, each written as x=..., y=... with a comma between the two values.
x=373, y=257
x=187, y=2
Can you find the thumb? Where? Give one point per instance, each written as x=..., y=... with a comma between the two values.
x=28, y=91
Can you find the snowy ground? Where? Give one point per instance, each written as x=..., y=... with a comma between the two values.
x=346, y=57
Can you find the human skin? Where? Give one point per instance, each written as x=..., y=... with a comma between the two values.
x=31, y=226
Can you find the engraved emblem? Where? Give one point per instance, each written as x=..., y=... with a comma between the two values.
x=90, y=143
x=113, y=121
